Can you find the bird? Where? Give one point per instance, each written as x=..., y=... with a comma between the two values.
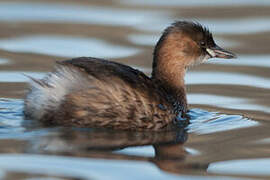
x=88, y=92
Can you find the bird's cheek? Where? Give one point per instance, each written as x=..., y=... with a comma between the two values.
x=206, y=58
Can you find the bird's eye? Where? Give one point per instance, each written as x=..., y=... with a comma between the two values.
x=202, y=43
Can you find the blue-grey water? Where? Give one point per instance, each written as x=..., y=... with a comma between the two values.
x=228, y=136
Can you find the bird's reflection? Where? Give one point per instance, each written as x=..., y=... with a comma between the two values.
x=169, y=154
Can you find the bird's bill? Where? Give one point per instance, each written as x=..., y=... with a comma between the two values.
x=218, y=52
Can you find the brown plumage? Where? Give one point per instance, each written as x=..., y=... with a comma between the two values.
x=91, y=92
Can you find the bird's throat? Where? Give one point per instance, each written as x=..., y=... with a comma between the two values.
x=173, y=84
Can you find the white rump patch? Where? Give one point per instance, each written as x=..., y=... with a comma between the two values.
x=47, y=94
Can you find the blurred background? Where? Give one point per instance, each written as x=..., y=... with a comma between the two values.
x=228, y=137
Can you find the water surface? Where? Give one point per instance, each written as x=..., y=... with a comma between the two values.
x=228, y=137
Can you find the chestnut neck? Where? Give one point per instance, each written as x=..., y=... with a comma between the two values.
x=169, y=68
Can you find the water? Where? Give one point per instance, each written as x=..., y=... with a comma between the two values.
x=228, y=137
x=66, y=46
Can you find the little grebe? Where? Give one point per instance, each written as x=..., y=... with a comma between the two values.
x=91, y=92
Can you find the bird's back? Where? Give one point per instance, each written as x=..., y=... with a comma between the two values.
x=90, y=92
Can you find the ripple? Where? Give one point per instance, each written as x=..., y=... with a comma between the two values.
x=12, y=123
x=226, y=78
x=11, y=111
x=18, y=76
x=192, y=151
x=195, y=3
x=149, y=151
x=2, y=174
x=139, y=151
x=53, y=12
x=87, y=168
x=214, y=100
x=226, y=102
x=204, y=122
x=151, y=40
x=244, y=60
x=155, y=21
x=263, y=141
x=4, y=61
x=231, y=26
x=10, y=117
x=242, y=167
x=66, y=46
x=218, y=26
x=143, y=39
